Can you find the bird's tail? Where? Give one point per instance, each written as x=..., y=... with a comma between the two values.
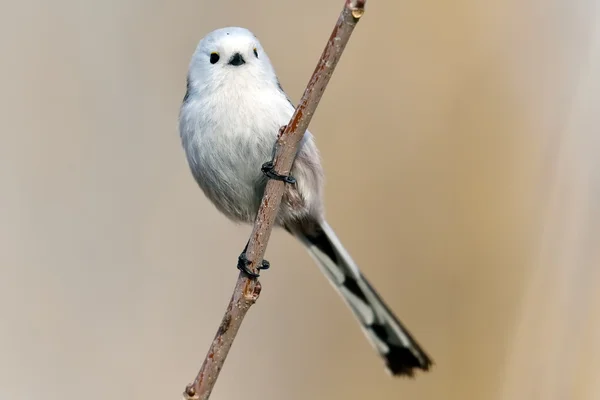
x=402, y=353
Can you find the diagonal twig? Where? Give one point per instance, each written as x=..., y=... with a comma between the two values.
x=247, y=290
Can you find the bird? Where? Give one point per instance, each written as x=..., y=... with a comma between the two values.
x=230, y=116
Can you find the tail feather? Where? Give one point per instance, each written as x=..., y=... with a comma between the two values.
x=390, y=338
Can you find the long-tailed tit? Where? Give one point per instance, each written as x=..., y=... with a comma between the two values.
x=229, y=120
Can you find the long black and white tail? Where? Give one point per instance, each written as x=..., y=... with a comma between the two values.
x=402, y=353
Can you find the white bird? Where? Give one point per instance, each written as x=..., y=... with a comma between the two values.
x=229, y=120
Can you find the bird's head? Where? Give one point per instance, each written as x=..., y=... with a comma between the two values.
x=229, y=57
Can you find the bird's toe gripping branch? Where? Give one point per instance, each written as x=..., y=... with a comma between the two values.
x=268, y=169
x=243, y=264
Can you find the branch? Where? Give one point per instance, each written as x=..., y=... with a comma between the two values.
x=247, y=290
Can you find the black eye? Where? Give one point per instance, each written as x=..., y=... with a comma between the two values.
x=255, y=52
x=214, y=58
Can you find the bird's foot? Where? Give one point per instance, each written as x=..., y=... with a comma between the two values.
x=268, y=169
x=243, y=263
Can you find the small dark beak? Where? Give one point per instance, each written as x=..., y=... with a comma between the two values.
x=236, y=60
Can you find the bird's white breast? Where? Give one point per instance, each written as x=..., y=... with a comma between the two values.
x=227, y=137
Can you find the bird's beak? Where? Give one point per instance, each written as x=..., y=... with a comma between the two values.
x=236, y=60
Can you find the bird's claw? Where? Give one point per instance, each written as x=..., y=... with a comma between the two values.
x=243, y=263
x=268, y=169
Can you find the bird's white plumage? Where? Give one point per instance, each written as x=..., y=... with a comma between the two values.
x=232, y=111
x=229, y=123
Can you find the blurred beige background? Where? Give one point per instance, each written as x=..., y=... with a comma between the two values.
x=460, y=141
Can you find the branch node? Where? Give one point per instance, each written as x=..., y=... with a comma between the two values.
x=357, y=7
x=281, y=131
x=252, y=292
x=190, y=393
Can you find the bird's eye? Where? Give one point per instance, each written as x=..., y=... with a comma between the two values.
x=255, y=52
x=214, y=58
